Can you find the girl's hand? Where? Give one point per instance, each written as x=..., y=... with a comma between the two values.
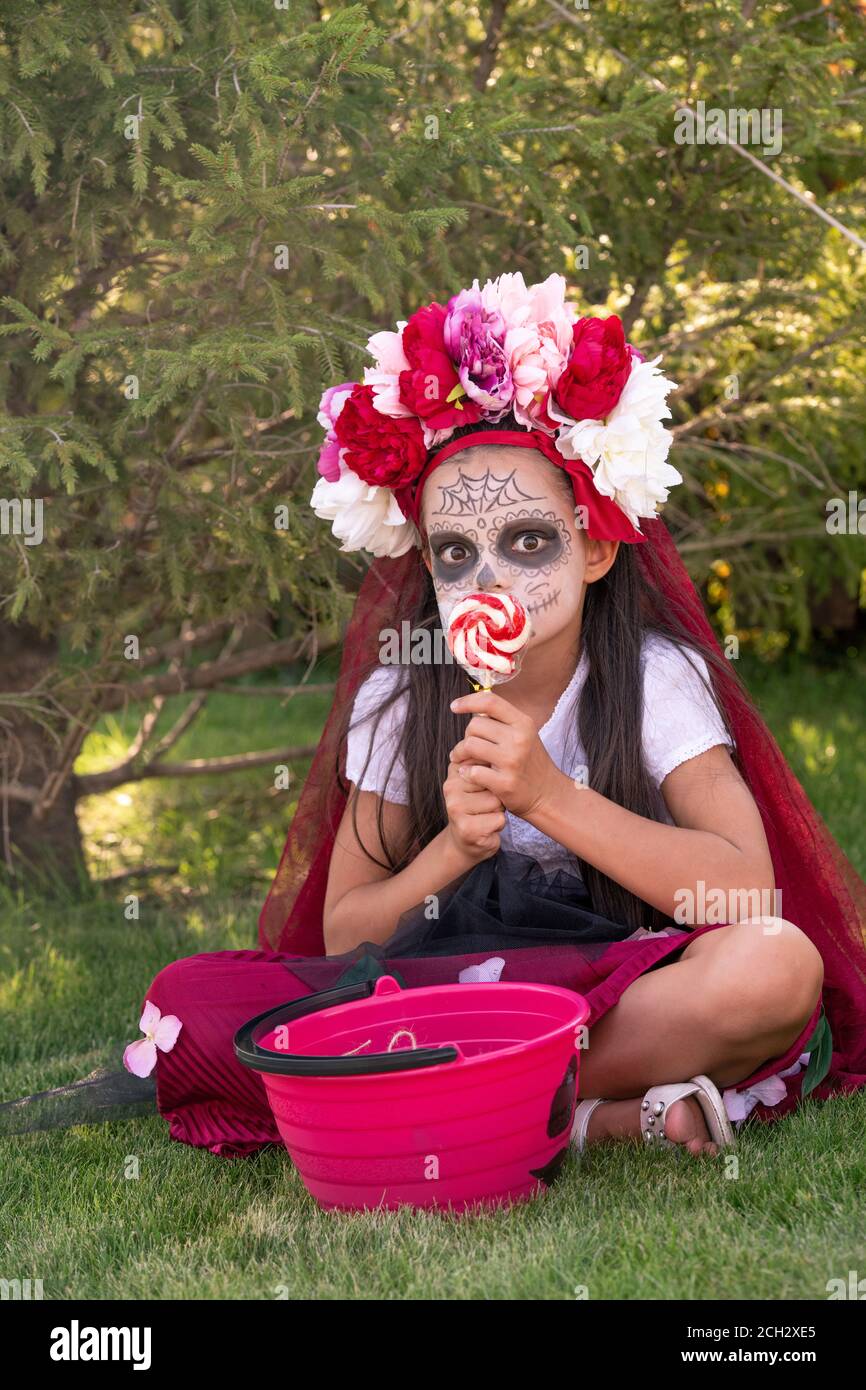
x=501, y=752
x=475, y=817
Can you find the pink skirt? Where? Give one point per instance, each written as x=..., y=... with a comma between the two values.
x=211, y=1101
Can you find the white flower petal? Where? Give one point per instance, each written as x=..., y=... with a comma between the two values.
x=487, y=972
x=363, y=517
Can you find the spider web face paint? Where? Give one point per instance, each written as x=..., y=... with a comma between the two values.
x=470, y=496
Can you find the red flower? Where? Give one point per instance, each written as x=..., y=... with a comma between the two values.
x=598, y=369
x=431, y=378
x=384, y=450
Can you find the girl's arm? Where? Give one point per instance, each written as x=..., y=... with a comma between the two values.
x=364, y=900
x=718, y=838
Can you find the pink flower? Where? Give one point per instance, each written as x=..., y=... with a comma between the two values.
x=474, y=334
x=430, y=387
x=537, y=343
x=330, y=405
x=140, y=1056
x=597, y=370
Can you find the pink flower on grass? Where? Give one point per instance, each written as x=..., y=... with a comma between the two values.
x=140, y=1056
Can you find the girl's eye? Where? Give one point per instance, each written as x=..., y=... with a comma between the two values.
x=454, y=553
x=529, y=542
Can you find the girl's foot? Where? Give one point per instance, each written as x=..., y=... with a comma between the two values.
x=684, y=1124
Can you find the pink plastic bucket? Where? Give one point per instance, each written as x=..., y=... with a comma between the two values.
x=477, y=1111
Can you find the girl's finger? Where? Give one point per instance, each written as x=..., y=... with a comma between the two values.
x=482, y=726
x=487, y=777
x=490, y=824
x=473, y=750
x=477, y=801
x=485, y=702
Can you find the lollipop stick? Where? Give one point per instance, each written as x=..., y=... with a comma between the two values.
x=481, y=690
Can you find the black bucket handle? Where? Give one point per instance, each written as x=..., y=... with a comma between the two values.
x=248, y=1052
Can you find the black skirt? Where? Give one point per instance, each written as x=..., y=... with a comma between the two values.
x=506, y=902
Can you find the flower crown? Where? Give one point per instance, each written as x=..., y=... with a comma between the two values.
x=488, y=352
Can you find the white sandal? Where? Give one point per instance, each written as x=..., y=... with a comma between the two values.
x=653, y=1108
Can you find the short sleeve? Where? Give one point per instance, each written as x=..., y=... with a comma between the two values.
x=680, y=718
x=379, y=740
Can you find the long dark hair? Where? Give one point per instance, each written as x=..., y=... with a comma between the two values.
x=620, y=611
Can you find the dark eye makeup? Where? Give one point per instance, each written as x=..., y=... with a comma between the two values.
x=453, y=554
x=529, y=545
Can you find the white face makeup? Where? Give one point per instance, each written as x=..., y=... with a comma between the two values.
x=498, y=519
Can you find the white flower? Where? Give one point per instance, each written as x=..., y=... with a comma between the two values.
x=486, y=973
x=740, y=1104
x=363, y=517
x=627, y=451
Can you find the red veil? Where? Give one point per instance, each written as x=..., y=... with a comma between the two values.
x=820, y=889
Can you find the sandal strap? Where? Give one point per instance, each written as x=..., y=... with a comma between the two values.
x=658, y=1100
x=580, y=1124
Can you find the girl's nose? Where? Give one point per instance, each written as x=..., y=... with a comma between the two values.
x=487, y=578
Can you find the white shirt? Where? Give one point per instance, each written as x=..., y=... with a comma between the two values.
x=680, y=721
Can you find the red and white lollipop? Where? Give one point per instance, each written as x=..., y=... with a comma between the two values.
x=487, y=634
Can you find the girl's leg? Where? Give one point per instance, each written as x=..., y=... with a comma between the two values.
x=734, y=998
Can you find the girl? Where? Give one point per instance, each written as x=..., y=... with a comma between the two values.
x=573, y=825
x=498, y=519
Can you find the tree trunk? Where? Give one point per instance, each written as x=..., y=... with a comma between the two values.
x=48, y=849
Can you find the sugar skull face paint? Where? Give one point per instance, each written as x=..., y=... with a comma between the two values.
x=501, y=520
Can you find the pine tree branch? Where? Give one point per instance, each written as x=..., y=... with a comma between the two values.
x=808, y=202
x=181, y=724
x=143, y=871
x=95, y=782
x=148, y=723
x=195, y=637
x=756, y=390
x=14, y=791
x=209, y=673
x=221, y=446
x=195, y=706
x=325, y=688
x=722, y=543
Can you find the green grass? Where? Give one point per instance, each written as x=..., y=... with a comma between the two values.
x=622, y=1223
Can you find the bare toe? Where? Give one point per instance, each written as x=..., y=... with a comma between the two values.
x=685, y=1125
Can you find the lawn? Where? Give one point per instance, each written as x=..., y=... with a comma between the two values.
x=622, y=1223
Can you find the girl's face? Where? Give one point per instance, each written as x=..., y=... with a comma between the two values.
x=502, y=520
